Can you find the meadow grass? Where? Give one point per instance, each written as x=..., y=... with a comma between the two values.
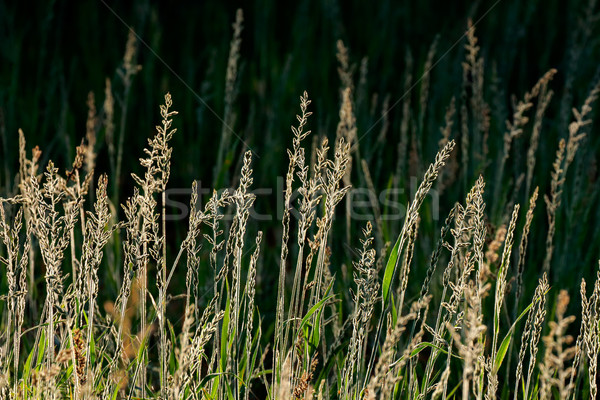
x=481, y=309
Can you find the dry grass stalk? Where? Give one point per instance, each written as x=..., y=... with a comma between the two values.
x=127, y=71
x=243, y=201
x=435, y=255
x=191, y=352
x=152, y=242
x=562, y=163
x=531, y=336
x=52, y=232
x=405, y=121
x=230, y=93
x=27, y=169
x=514, y=128
x=331, y=183
x=16, y=262
x=364, y=304
x=523, y=246
x=346, y=129
x=90, y=133
x=474, y=218
x=553, y=202
x=296, y=156
x=472, y=81
x=544, y=100
x=406, y=263
x=412, y=214
x=78, y=189
x=446, y=130
x=345, y=70
x=492, y=253
x=250, y=293
x=469, y=231
x=409, y=230
x=373, y=201
x=449, y=173
x=310, y=196
x=501, y=278
x=96, y=235
x=469, y=342
x=383, y=374
x=462, y=263
x=554, y=370
x=501, y=285
x=589, y=344
x=108, y=107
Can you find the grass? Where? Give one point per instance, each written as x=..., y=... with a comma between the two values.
x=460, y=286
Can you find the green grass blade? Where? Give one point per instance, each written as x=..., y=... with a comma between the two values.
x=389, y=271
